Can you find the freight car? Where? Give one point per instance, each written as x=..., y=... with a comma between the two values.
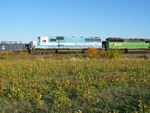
x=54, y=44
x=12, y=45
x=126, y=44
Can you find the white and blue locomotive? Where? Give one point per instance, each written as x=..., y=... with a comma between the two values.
x=56, y=43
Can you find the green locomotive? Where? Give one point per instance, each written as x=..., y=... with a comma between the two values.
x=126, y=44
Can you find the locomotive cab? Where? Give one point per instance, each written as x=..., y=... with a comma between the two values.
x=42, y=40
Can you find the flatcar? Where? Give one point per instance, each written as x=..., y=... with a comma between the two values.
x=126, y=44
x=56, y=43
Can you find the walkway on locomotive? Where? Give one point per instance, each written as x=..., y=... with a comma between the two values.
x=68, y=42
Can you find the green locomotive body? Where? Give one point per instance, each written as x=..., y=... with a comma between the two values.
x=118, y=43
x=128, y=45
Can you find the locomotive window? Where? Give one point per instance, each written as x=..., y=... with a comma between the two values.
x=43, y=40
x=52, y=39
x=60, y=38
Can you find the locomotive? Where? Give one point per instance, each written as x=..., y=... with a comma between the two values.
x=53, y=44
x=126, y=44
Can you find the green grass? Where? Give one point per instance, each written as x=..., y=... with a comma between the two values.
x=68, y=84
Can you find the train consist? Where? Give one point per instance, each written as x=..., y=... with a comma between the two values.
x=57, y=43
x=54, y=44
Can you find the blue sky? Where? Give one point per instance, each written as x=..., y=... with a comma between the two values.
x=25, y=20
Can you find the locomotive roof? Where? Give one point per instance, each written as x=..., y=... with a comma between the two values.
x=114, y=39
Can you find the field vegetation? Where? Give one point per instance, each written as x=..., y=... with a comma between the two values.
x=74, y=83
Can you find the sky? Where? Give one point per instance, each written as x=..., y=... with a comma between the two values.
x=25, y=20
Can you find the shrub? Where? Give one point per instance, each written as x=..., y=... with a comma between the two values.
x=92, y=52
x=79, y=55
x=109, y=54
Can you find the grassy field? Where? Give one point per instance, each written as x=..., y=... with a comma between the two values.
x=73, y=84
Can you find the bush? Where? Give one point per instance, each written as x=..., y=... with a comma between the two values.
x=79, y=55
x=92, y=52
x=109, y=54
